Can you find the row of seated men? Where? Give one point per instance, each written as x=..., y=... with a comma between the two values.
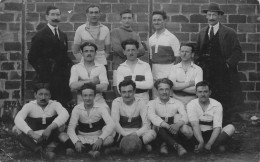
x=130, y=125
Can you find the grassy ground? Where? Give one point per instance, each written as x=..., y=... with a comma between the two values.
x=244, y=147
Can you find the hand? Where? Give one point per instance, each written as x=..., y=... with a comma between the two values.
x=227, y=65
x=165, y=125
x=199, y=148
x=97, y=145
x=46, y=133
x=95, y=80
x=79, y=146
x=174, y=128
x=207, y=147
x=191, y=83
x=34, y=136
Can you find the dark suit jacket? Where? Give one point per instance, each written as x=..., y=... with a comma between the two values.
x=48, y=55
x=232, y=53
x=230, y=46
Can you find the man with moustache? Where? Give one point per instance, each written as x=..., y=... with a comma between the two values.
x=136, y=70
x=130, y=115
x=39, y=124
x=89, y=71
x=185, y=75
x=205, y=116
x=118, y=35
x=170, y=119
x=164, y=48
x=48, y=56
x=218, y=52
x=93, y=122
x=95, y=32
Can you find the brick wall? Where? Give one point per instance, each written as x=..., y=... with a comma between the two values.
x=185, y=20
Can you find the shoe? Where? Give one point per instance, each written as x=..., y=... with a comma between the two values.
x=164, y=149
x=50, y=155
x=111, y=150
x=148, y=148
x=180, y=150
x=70, y=152
x=94, y=154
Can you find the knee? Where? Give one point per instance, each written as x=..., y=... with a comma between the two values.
x=108, y=141
x=16, y=131
x=63, y=137
x=229, y=129
x=187, y=131
x=149, y=136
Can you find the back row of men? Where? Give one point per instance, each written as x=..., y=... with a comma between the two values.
x=133, y=124
x=217, y=54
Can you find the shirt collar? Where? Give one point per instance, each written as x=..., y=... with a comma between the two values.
x=88, y=26
x=52, y=27
x=82, y=62
x=179, y=65
x=35, y=102
x=82, y=107
x=138, y=62
x=215, y=27
x=171, y=101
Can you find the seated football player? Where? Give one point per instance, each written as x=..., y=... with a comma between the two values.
x=39, y=125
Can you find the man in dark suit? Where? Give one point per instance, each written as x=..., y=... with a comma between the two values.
x=48, y=56
x=218, y=52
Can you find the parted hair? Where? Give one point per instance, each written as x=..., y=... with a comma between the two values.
x=130, y=41
x=127, y=82
x=88, y=44
x=163, y=80
x=88, y=86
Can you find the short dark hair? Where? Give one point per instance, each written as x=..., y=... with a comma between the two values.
x=51, y=8
x=163, y=80
x=88, y=86
x=127, y=82
x=188, y=44
x=203, y=84
x=92, y=6
x=163, y=13
x=126, y=11
x=38, y=86
x=88, y=44
x=131, y=42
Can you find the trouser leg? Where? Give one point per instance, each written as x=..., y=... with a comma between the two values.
x=28, y=142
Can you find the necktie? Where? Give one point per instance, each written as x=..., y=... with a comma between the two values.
x=211, y=33
x=55, y=33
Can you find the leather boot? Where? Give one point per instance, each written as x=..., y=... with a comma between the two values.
x=28, y=142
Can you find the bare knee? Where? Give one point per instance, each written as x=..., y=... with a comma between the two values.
x=187, y=131
x=63, y=137
x=149, y=136
x=229, y=129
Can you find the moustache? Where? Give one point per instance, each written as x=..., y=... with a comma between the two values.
x=55, y=20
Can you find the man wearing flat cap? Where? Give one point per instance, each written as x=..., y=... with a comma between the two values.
x=218, y=52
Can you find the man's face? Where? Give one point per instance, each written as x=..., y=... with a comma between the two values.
x=93, y=14
x=88, y=97
x=128, y=93
x=164, y=91
x=54, y=17
x=213, y=17
x=88, y=53
x=158, y=22
x=42, y=96
x=127, y=19
x=203, y=93
x=186, y=53
x=131, y=52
